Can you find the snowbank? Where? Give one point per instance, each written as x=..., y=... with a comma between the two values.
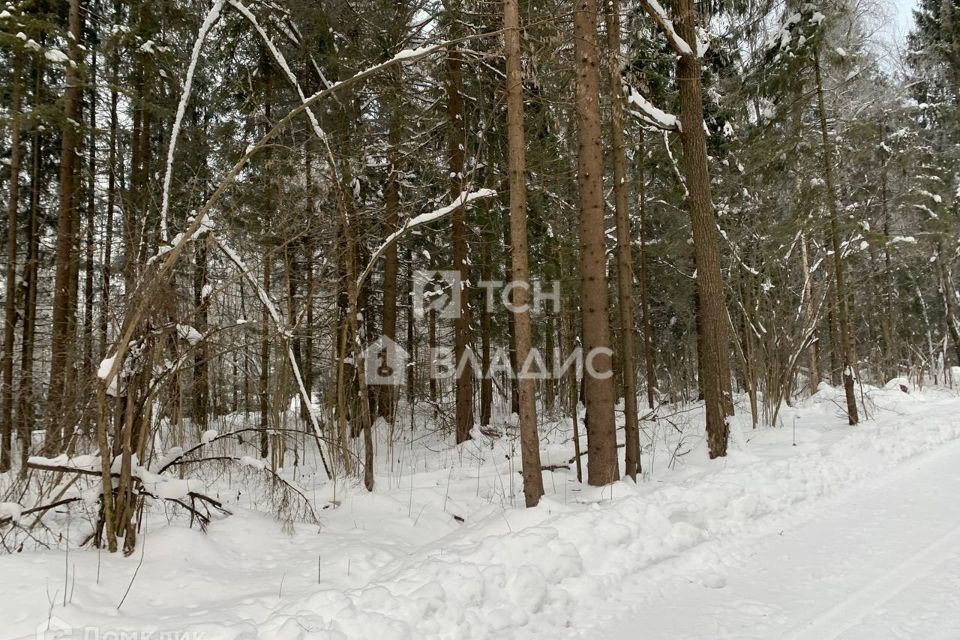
x=440, y=551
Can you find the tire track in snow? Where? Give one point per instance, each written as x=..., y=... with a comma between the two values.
x=847, y=613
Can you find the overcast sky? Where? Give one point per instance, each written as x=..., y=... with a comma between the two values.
x=904, y=19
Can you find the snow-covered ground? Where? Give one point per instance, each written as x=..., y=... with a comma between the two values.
x=850, y=532
x=882, y=561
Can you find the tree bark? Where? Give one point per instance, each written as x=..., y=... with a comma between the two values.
x=456, y=141
x=631, y=427
x=649, y=351
x=25, y=410
x=598, y=387
x=106, y=267
x=201, y=376
x=60, y=339
x=486, y=328
x=388, y=393
x=843, y=322
x=10, y=307
x=88, y=273
x=529, y=438
x=813, y=358
x=262, y=390
x=712, y=317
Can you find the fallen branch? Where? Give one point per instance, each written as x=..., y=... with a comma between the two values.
x=5, y=520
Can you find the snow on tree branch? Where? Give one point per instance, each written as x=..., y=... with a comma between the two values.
x=648, y=113
x=212, y=16
x=284, y=333
x=172, y=255
x=678, y=44
x=423, y=218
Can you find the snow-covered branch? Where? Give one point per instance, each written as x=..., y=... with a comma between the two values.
x=177, y=248
x=678, y=44
x=423, y=218
x=284, y=337
x=647, y=112
x=212, y=16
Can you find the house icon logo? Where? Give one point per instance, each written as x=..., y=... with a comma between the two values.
x=54, y=629
x=385, y=363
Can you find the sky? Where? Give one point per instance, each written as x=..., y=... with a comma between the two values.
x=903, y=20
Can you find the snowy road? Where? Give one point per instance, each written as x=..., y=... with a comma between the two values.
x=882, y=561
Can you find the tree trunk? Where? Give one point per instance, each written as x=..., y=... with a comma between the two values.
x=486, y=328
x=201, y=376
x=60, y=339
x=10, y=307
x=529, y=438
x=624, y=255
x=710, y=295
x=843, y=323
x=388, y=393
x=649, y=352
x=264, y=369
x=598, y=387
x=25, y=410
x=456, y=154
x=111, y=204
x=88, y=273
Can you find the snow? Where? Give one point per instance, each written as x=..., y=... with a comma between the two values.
x=659, y=16
x=407, y=54
x=424, y=218
x=10, y=511
x=209, y=435
x=205, y=225
x=80, y=462
x=56, y=56
x=703, y=41
x=172, y=489
x=777, y=538
x=648, y=112
x=253, y=463
x=188, y=333
x=106, y=365
x=879, y=563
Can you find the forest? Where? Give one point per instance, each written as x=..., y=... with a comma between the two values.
x=300, y=258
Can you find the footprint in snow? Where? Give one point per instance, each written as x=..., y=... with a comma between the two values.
x=714, y=581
